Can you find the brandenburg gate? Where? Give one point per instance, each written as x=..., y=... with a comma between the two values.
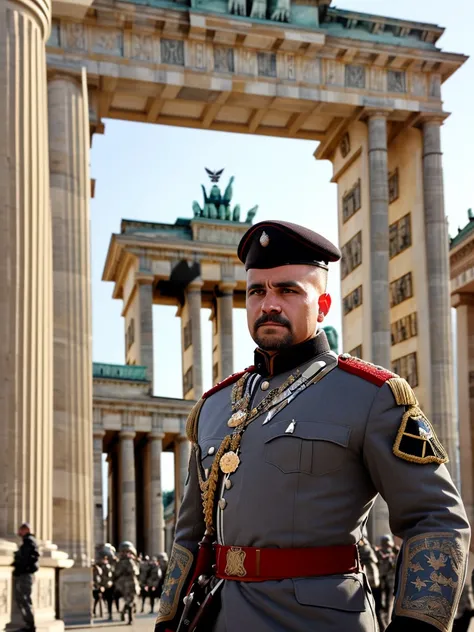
x=367, y=88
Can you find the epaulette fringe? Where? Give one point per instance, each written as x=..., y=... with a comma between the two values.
x=402, y=391
x=192, y=421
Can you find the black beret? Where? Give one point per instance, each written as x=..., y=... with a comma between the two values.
x=272, y=244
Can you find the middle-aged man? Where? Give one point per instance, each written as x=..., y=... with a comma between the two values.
x=287, y=460
x=25, y=565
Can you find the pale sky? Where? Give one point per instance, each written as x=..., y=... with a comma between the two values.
x=153, y=173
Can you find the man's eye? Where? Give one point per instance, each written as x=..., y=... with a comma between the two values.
x=257, y=292
x=287, y=290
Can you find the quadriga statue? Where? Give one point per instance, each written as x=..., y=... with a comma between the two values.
x=278, y=11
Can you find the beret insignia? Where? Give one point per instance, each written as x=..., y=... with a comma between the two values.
x=264, y=239
x=416, y=439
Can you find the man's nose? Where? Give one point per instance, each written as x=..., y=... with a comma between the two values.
x=270, y=304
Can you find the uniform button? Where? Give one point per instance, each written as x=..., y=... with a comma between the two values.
x=228, y=483
x=222, y=503
x=264, y=385
x=211, y=450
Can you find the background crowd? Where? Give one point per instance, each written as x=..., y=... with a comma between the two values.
x=119, y=578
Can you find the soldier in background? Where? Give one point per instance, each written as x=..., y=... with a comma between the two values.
x=97, y=588
x=108, y=583
x=163, y=562
x=25, y=565
x=126, y=578
x=145, y=567
x=154, y=582
x=387, y=556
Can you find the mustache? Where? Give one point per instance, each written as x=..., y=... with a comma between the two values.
x=272, y=318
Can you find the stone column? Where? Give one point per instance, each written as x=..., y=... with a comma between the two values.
x=127, y=488
x=25, y=272
x=68, y=120
x=99, y=534
x=193, y=297
x=464, y=304
x=145, y=305
x=439, y=306
x=157, y=533
x=225, y=303
x=379, y=274
x=379, y=239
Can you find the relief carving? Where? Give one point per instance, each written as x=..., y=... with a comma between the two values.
x=109, y=42
x=75, y=36
x=223, y=59
x=172, y=52
x=334, y=73
x=396, y=81
x=290, y=67
x=312, y=70
x=266, y=64
x=247, y=62
x=54, y=39
x=3, y=596
x=418, y=84
x=142, y=47
x=199, y=56
x=355, y=76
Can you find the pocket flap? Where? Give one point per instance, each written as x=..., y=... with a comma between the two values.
x=338, y=593
x=312, y=431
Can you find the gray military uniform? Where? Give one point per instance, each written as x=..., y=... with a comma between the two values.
x=308, y=478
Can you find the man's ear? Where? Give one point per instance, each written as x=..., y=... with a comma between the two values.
x=324, y=303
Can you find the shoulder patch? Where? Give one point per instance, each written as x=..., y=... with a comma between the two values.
x=416, y=439
x=228, y=380
x=366, y=370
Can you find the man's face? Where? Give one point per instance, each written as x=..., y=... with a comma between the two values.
x=282, y=305
x=22, y=531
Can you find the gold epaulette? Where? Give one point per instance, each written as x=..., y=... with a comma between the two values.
x=192, y=421
x=402, y=391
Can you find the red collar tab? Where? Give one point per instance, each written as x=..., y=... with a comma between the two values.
x=227, y=381
x=366, y=370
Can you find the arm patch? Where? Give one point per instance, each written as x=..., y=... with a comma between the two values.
x=178, y=570
x=416, y=439
x=431, y=579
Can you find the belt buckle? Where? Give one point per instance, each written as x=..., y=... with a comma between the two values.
x=235, y=562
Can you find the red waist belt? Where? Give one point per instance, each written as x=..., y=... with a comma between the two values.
x=251, y=564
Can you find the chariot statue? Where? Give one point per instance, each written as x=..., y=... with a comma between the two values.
x=217, y=205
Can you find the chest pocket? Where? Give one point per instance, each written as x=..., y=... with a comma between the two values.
x=314, y=448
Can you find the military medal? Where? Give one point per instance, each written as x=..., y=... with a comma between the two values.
x=229, y=462
x=237, y=418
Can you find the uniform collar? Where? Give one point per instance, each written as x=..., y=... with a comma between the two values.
x=268, y=365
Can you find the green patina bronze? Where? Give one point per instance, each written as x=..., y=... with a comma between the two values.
x=129, y=372
x=314, y=14
x=464, y=232
x=333, y=338
x=217, y=205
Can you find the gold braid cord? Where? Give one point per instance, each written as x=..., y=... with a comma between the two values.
x=402, y=391
x=209, y=486
x=192, y=421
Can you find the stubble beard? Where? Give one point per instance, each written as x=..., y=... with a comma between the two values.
x=270, y=343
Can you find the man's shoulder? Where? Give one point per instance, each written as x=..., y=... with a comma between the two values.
x=228, y=381
x=372, y=373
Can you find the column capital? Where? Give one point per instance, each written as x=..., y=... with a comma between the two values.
x=127, y=434
x=195, y=285
x=437, y=118
x=372, y=112
x=144, y=278
x=156, y=435
x=98, y=433
x=60, y=75
x=227, y=286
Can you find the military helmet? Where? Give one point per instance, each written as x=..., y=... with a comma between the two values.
x=127, y=547
x=387, y=539
x=108, y=550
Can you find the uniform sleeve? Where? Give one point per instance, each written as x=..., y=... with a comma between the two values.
x=190, y=529
x=405, y=461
